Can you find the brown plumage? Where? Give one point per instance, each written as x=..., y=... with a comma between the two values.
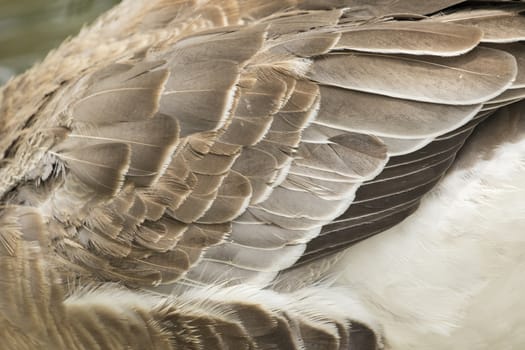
x=212, y=149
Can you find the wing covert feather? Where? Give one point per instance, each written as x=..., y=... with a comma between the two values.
x=225, y=147
x=218, y=154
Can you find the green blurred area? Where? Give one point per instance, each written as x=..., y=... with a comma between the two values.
x=30, y=28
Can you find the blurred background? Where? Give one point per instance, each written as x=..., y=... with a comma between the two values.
x=30, y=28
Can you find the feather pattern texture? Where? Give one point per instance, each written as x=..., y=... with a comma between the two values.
x=227, y=152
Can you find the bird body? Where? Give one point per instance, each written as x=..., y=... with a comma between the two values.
x=247, y=175
x=457, y=282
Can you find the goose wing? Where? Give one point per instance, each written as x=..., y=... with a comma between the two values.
x=231, y=154
x=225, y=144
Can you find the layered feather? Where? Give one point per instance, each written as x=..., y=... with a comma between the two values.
x=271, y=127
x=222, y=149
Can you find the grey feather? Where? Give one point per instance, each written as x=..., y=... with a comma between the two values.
x=416, y=38
x=102, y=167
x=121, y=93
x=385, y=75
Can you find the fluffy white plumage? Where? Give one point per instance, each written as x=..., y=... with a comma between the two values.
x=451, y=275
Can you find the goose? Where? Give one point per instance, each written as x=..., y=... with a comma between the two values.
x=278, y=174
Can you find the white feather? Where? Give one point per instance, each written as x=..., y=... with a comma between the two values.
x=451, y=275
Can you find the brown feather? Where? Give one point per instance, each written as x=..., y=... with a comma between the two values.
x=102, y=167
x=121, y=92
